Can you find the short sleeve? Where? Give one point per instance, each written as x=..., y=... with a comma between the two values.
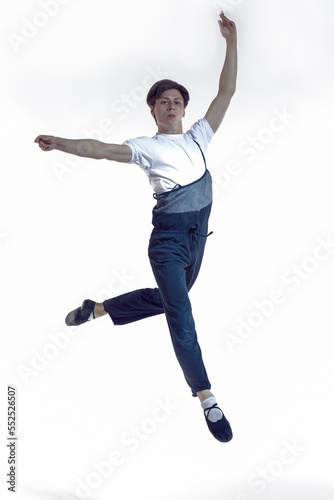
x=201, y=132
x=143, y=151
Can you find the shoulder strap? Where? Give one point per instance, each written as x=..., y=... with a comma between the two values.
x=201, y=152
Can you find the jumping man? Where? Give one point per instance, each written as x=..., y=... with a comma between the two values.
x=176, y=168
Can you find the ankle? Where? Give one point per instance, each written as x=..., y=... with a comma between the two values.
x=99, y=310
x=204, y=395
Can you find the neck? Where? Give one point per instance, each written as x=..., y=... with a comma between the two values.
x=177, y=129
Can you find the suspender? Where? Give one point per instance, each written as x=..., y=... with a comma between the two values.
x=202, y=153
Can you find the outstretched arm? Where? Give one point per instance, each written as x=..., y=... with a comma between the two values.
x=89, y=148
x=228, y=77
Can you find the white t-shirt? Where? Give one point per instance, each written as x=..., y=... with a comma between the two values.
x=172, y=159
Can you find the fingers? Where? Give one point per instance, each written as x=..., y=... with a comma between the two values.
x=225, y=20
x=40, y=141
x=44, y=138
x=44, y=142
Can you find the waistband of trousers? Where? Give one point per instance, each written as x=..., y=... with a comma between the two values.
x=193, y=230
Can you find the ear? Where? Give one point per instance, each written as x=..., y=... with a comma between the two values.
x=152, y=113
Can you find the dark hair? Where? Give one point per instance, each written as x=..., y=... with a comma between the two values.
x=159, y=88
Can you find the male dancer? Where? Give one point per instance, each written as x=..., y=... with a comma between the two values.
x=175, y=165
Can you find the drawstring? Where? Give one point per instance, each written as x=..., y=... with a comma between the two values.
x=195, y=234
x=194, y=228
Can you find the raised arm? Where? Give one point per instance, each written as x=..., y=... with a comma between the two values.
x=228, y=77
x=90, y=148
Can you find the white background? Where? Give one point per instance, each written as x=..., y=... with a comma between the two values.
x=73, y=228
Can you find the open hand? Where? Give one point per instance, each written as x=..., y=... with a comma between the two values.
x=227, y=28
x=46, y=142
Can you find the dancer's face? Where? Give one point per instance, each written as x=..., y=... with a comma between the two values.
x=169, y=111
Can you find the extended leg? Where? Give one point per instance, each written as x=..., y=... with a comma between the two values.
x=123, y=309
x=134, y=306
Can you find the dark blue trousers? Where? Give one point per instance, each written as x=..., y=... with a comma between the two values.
x=176, y=249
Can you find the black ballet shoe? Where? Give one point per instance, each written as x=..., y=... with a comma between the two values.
x=81, y=314
x=221, y=429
